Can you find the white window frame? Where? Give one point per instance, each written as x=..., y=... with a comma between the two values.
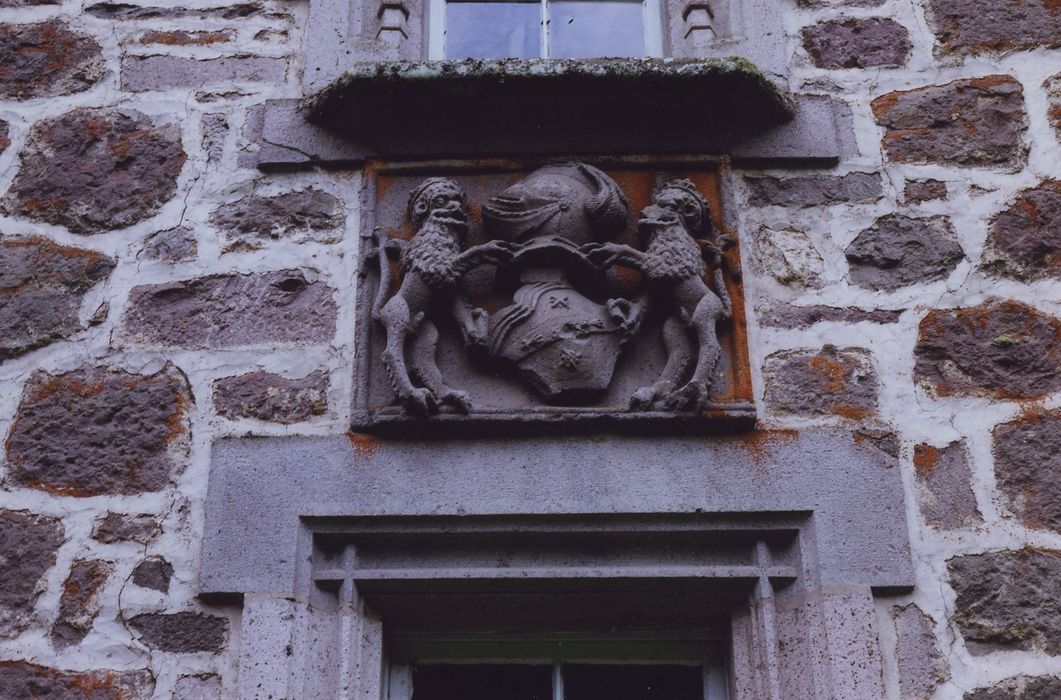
x=436, y=46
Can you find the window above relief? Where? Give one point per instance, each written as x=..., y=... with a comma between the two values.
x=545, y=29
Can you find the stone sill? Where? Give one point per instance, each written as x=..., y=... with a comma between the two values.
x=511, y=97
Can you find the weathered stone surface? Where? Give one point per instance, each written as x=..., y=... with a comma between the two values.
x=1028, y=468
x=790, y=257
x=215, y=131
x=96, y=431
x=79, y=604
x=1020, y=688
x=918, y=191
x=921, y=664
x=884, y=440
x=1024, y=241
x=270, y=397
x=122, y=527
x=966, y=27
x=232, y=310
x=834, y=381
x=93, y=170
x=126, y=11
x=142, y=73
x=857, y=43
x=969, y=122
x=1004, y=350
x=46, y=59
x=27, y=3
x=1053, y=92
x=42, y=285
x=308, y=215
x=1008, y=600
x=28, y=544
x=805, y=316
x=5, y=135
x=813, y=190
x=840, y=3
x=154, y=573
x=172, y=245
x=205, y=686
x=182, y=633
x=944, y=486
x=899, y=250
x=22, y=679
x=180, y=37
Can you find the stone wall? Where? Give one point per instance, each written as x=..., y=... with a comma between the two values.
x=158, y=292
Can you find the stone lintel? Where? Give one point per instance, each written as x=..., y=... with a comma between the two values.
x=265, y=494
x=818, y=134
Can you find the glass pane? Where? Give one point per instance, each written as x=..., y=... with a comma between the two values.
x=594, y=682
x=493, y=30
x=482, y=682
x=596, y=29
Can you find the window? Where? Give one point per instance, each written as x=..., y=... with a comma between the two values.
x=545, y=29
x=554, y=669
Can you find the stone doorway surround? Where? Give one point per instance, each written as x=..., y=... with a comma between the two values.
x=319, y=536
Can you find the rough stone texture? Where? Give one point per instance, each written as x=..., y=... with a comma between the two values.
x=181, y=633
x=790, y=257
x=215, y=131
x=204, y=686
x=79, y=604
x=918, y=191
x=28, y=544
x=270, y=397
x=840, y=382
x=921, y=664
x=1028, y=468
x=840, y=3
x=813, y=190
x=944, y=488
x=22, y=679
x=884, y=440
x=154, y=573
x=172, y=245
x=179, y=37
x=1053, y=91
x=1020, y=688
x=306, y=215
x=966, y=27
x=100, y=430
x=232, y=310
x=27, y=3
x=899, y=250
x=1008, y=600
x=126, y=11
x=1024, y=241
x=42, y=285
x=804, y=316
x=47, y=59
x=5, y=135
x=120, y=527
x=857, y=43
x=93, y=170
x=970, y=122
x=142, y=73
x=1004, y=350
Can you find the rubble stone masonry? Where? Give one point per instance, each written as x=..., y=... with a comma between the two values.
x=158, y=292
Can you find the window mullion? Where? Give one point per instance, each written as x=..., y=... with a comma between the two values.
x=545, y=29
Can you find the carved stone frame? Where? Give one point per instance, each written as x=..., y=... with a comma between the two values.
x=808, y=528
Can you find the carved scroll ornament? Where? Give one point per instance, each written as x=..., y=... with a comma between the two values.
x=552, y=238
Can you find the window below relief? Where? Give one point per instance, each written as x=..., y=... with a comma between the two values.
x=539, y=669
x=545, y=29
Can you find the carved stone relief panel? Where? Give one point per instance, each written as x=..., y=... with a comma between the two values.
x=549, y=293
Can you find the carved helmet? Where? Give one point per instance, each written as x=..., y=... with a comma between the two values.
x=570, y=200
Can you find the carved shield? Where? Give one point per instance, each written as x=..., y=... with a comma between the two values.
x=563, y=343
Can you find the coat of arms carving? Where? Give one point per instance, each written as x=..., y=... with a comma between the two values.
x=562, y=294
